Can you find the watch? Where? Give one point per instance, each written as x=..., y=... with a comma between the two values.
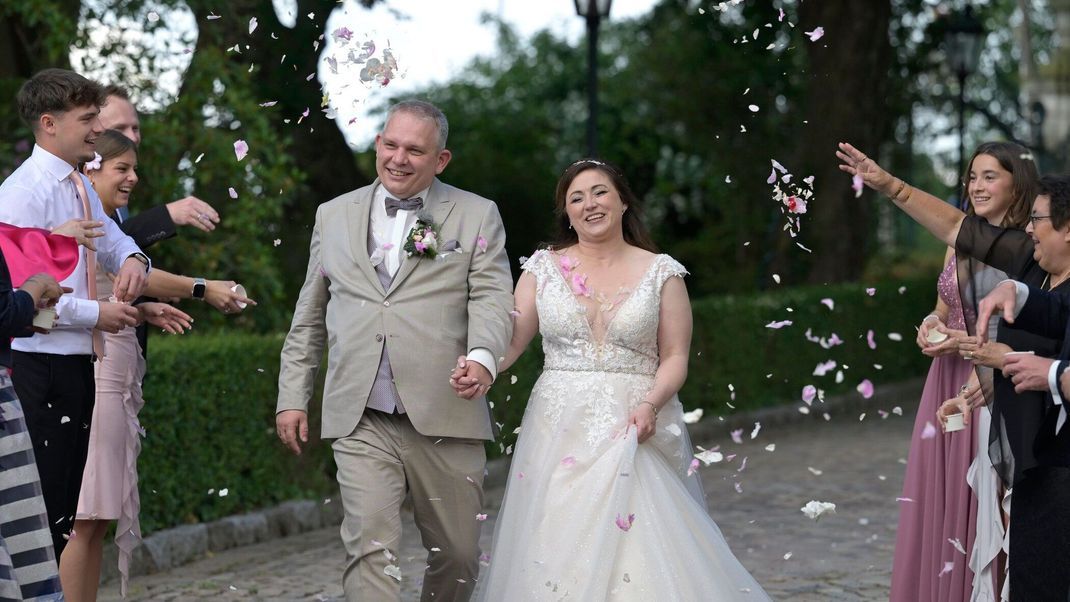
x=199, y=288
x=143, y=258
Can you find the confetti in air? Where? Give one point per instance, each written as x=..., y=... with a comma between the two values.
x=815, y=509
x=791, y=196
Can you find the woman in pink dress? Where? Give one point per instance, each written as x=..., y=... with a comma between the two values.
x=950, y=525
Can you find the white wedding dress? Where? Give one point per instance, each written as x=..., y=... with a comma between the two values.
x=576, y=477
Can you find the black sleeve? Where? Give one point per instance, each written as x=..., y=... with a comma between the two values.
x=150, y=226
x=1001, y=248
x=1046, y=313
x=16, y=308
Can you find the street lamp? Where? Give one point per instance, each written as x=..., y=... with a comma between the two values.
x=963, y=44
x=593, y=11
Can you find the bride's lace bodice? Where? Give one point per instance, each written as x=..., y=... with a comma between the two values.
x=630, y=342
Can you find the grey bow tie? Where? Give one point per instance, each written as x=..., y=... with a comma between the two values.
x=392, y=205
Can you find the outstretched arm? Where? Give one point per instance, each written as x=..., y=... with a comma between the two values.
x=936, y=216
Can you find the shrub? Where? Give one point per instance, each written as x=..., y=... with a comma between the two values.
x=210, y=399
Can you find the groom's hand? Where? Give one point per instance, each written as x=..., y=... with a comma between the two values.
x=292, y=426
x=470, y=379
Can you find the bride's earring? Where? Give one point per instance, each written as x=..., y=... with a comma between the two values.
x=570, y=225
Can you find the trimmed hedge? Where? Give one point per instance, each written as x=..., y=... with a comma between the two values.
x=210, y=399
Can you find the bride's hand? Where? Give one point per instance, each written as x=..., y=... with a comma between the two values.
x=644, y=420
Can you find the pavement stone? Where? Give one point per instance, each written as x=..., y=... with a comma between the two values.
x=852, y=460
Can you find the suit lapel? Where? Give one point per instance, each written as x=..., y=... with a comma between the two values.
x=439, y=205
x=359, y=216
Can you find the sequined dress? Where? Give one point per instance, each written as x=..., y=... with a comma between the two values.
x=589, y=513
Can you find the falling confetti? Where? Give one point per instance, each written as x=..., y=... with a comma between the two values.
x=815, y=509
x=865, y=388
x=240, y=149
x=816, y=34
x=625, y=524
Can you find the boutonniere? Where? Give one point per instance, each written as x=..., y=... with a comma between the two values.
x=423, y=238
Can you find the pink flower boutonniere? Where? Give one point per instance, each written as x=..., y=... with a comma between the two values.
x=423, y=238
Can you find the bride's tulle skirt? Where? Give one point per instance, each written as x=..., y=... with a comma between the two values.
x=590, y=514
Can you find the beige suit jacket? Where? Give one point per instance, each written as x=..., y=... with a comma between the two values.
x=434, y=311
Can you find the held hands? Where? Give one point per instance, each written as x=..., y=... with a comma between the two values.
x=161, y=315
x=292, y=429
x=81, y=230
x=856, y=163
x=989, y=354
x=114, y=317
x=1002, y=298
x=1027, y=371
x=219, y=294
x=131, y=280
x=470, y=379
x=192, y=211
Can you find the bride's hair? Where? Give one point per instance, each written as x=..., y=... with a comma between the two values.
x=635, y=232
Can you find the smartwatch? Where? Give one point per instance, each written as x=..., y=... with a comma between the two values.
x=199, y=288
x=144, y=259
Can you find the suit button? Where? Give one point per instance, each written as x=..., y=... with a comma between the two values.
x=379, y=338
x=386, y=304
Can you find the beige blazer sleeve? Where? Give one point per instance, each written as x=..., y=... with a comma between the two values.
x=303, y=349
x=490, y=296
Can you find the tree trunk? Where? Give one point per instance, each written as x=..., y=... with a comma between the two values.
x=845, y=101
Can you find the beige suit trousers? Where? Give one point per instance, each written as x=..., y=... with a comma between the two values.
x=378, y=463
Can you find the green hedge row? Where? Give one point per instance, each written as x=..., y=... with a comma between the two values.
x=210, y=399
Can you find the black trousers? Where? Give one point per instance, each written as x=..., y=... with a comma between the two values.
x=57, y=394
x=1039, y=555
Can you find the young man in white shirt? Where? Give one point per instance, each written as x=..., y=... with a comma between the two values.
x=53, y=373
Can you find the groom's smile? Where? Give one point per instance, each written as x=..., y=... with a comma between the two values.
x=409, y=154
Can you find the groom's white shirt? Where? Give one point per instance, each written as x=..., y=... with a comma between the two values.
x=393, y=231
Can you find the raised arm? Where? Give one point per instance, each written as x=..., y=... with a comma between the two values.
x=939, y=218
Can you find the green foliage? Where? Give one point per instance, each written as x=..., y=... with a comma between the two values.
x=209, y=419
x=218, y=108
x=738, y=364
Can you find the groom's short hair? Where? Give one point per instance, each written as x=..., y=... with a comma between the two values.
x=56, y=91
x=423, y=110
x=1057, y=189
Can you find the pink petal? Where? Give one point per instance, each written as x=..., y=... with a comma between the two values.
x=829, y=303
x=809, y=392
x=929, y=431
x=233, y=193
x=481, y=243
x=870, y=340
x=865, y=388
x=240, y=149
x=481, y=517
x=856, y=185
x=778, y=325
x=948, y=567
x=693, y=467
x=816, y=34
x=568, y=461
x=871, y=291
x=737, y=435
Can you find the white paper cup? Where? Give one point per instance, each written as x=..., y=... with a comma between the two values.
x=237, y=288
x=45, y=318
x=935, y=336
x=954, y=423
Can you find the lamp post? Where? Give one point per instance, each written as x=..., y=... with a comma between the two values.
x=963, y=44
x=593, y=11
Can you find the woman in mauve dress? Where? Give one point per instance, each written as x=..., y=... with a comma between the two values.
x=950, y=530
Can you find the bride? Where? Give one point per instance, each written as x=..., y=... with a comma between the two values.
x=601, y=502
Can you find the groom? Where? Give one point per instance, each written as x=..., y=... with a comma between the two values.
x=394, y=317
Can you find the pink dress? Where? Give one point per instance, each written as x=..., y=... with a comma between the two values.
x=109, y=483
x=937, y=507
